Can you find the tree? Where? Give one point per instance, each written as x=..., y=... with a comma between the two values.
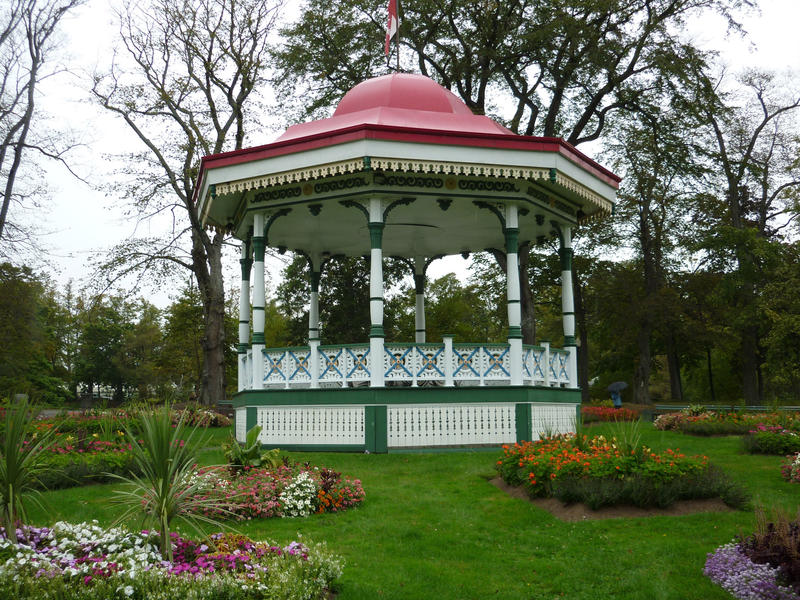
x=30, y=324
x=565, y=66
x=181, y=356
x=27, y=44
x=343, y=298
x=754, y=143
x=101, y=357
x=661, y=170
x=189, y=88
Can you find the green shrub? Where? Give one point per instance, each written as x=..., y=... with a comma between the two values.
x=69, y=470
x=250, y=454
x=645, y=491
x=773, y=440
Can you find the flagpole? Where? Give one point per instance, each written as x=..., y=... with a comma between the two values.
x=398, y=36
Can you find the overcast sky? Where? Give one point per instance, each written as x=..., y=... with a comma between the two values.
x=83, y=221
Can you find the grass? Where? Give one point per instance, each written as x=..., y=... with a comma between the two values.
x=433, y=527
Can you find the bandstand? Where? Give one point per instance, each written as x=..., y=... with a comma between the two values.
x=404, y=169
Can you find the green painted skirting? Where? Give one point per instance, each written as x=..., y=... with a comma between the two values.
x=405, y=395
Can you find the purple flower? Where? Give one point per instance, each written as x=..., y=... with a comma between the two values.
x=731, y=569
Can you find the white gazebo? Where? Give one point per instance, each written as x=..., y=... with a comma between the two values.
x=403, y=169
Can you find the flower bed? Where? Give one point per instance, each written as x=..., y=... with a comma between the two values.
x=767, y=439
x=592, y=414
x=790, y=470
x=764, y=565
x=730, y=568
x=285, y=491
x=603, y=472
x=724, y=423
x=86, y=561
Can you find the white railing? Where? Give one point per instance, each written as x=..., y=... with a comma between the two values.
x=340, y=365
x=408, y=364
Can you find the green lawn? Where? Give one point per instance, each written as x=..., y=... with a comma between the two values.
x=433, y=527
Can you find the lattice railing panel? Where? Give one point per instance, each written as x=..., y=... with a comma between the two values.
x=552, y=419
x=558, y=366
x=481, y=363
x=451, y=425
x=284, y=425
x=533, y=365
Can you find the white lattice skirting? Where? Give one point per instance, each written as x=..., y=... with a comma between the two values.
x=450, y=425
x=552, y=418
x=311, y=425
x=240, y=418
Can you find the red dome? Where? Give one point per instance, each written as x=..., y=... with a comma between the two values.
x=401, y=90
x=401, y=100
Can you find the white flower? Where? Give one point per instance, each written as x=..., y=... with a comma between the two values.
x=128, y=591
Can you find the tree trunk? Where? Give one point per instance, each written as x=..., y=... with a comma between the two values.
x=748, y=356
x=208, y=271
x=710, y=375
x=674, y=367
x=641, y=376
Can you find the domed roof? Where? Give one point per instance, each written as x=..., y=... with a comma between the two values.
x=400, y=100
x=404, y=91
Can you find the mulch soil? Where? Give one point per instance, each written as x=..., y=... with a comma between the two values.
x=581, y=512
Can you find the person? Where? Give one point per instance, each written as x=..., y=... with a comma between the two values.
x=616, y=398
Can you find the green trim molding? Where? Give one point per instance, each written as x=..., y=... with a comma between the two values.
x=405, y=395
x=376, y=429
x=251, y=419
x=515, y=332
x=375, y=234
x=566, y=258
x=259, y=246
x=512, y=240
x=523, y=422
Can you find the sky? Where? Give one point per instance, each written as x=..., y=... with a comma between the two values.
x=80, y=220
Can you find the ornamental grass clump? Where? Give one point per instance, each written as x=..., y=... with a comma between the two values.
x=602, y=472
x=22, y=453
x=167, y=488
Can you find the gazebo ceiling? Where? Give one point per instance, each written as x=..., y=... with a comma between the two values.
x=440, y=171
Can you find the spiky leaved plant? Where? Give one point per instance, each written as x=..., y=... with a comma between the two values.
x=167, y=489
x=21, y=463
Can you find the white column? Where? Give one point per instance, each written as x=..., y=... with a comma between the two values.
x=419, y=287
x=376, y=334
x=313, y=320
x=244, y=318
x=259, y=301
x=568, y=305
x=513, y=295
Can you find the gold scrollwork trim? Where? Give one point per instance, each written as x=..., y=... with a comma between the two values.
x=416, y=166
x=316, y=172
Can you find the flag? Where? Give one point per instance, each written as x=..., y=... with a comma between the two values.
x=391, y=26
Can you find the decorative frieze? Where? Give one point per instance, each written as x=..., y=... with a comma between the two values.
x=394, y=173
